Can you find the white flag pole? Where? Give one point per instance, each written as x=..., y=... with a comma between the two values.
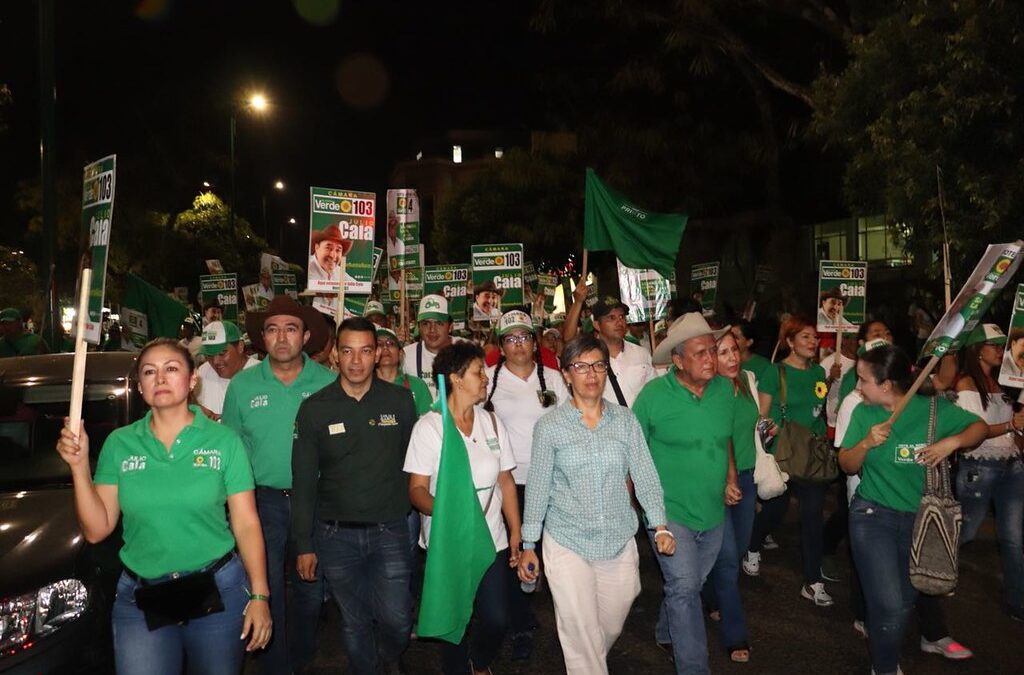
x=78, y=370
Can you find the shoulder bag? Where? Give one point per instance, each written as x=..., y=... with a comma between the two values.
x=934, y=549
x=799, y=451
x=769, y=478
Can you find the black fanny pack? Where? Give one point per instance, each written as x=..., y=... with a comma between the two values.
x=179, y=600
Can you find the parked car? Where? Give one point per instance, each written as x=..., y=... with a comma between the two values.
x=56, y=590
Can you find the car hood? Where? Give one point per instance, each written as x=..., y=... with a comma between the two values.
x=39, y=539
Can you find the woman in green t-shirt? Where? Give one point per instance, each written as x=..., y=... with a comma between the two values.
x=806, y=388
x=890, y=458
x=182, y=594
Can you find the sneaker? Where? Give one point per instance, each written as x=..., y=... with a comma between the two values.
x=829, y=571
x=816, y=592
x=947, y=647
x=769, y=543
x=522, y=645
x=752, y=564
x=859, y=629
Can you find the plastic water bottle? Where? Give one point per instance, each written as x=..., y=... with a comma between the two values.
x=529, y=586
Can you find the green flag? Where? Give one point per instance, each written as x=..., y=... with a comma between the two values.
x=164, y=313
x=460, y=548
x=639, y=238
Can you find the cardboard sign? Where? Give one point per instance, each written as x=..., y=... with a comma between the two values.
x=842, y=295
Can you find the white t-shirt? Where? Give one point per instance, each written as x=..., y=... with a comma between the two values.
x=843, y=415
x=213, y=387
x=488, y=455
x=518, y=406
x=633, y=369
x=409, y=364
x=832, y=400
x=999, y=411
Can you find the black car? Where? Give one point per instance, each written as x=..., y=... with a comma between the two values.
x=56, y=590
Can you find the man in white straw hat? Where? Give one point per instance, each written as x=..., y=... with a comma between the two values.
x=687, y=417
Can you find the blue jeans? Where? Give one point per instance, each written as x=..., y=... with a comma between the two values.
x=810, y=498
x=979, y=482
x=483, y=637
x=880, y=538
x=368, y=570
x=210, y=644
x=293, y=644
x=722, y=591
x=684, y=574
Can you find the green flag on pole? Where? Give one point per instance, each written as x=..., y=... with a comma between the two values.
x=164, y=314
x=639, y=238
x=460, y=548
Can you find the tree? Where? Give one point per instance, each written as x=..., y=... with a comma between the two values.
x=933, y=85
x=21, y=285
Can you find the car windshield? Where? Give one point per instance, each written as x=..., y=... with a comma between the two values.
x=31, y=417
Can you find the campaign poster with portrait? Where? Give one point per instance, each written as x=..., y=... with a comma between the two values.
x=1011, y=374
x=402, y=238
x=842, y=295
x=704, y=285
x=98, y=181
x=497, y=280
x=449, y=281
x=224, y=289
x=341, y=223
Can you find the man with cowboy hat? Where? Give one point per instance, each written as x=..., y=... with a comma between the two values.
x=327, y=246
x=687, y=418
x=435, y=324
x=486, y=302
x=830, y=308
x=261, y=404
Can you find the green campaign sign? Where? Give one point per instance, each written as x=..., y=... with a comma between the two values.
x=842, y=295
x=546, y=286
x=450, y=282
x=993, y=272
x=1011, y=374
x=98, y=180
x=135, y=327
x=284, y=282
x=341, y=223
x=704, y=285
x=224, y=289
x=413, y=284
x=403, y=235
x=497, y=279
x=645, y=292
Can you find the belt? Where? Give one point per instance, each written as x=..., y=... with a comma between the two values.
x=212, y=567
x=350, y=523
x=286, y=493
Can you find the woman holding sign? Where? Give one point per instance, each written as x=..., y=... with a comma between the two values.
x=183, y=593
x=889, y=457
x=993, y=473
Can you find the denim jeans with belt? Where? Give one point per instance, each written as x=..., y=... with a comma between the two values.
x=210, y=645
x=367, y=568
x=881, y=538
x=1001, y=482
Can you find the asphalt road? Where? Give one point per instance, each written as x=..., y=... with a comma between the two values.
x=787, y=633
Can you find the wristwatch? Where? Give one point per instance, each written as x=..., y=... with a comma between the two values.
x=527, y=545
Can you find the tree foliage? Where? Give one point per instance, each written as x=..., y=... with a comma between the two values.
x=21, y=283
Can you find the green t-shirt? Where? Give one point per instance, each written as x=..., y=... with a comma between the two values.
x=848, y=383
x=890, y=476
x=173, y=500
x=743, y=448
x=25, y=344
x=805, y=395
x=420, y=393
x=689, y=442
x=262, y=410
x=756, y=364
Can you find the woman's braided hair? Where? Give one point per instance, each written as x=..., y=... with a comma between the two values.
x=546, y=401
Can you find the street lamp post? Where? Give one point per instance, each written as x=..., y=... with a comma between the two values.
x=258, y=103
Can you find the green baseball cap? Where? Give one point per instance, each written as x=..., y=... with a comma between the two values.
x=383, y=332
x=374, y=307
x=983, y=333
x=433, y=308
x=513, y=320
x=218, y=335
x=871, y=344
x=10, y=314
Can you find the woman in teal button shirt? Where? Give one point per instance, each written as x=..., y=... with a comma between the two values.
x=889, y=459
x=171, y=474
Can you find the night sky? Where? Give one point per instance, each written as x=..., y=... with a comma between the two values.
x=155, y=82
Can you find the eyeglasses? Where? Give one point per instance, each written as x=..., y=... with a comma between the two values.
x=516, y=339
x=387, y=343
x=582, y=367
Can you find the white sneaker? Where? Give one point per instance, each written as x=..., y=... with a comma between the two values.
x=769, y=543
x=816, y=592
x=947, y=647
x=752, y=564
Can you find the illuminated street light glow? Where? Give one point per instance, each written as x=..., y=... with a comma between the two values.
x=279, y=185
x=206, y=183
x=291, y=220
x=258, y=102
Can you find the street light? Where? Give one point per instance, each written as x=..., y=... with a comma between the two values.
x=258, y=103
x=206, y=183
x=279, y=185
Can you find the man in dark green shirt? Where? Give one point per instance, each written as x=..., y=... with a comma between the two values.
x=350, y=499
x=15, y=340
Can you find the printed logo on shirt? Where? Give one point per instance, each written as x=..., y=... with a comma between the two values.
x=307, y=394
x=906, y=453
x=492, y=443
x=260, y=401
x=387, y=420
x=133, y=463
x=335, y=429
x=203, y=458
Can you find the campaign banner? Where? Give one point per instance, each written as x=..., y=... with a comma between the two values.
x=450, y=282
x=993, y=272
x=134, y=327
x=529, y=276
x=704, y=285
x=497, y=279
x=1011, y=374
x=214, y=266
x=547, y=284
x=284, y=282
x=252, y=304
x=272, y=263
x=98, y=179
x=403, y=235
x=842, y=295
x=224, y=289
x=645, y=292
x=413, y=284
x=378, y=253
x=341, y=223
x=592, y=292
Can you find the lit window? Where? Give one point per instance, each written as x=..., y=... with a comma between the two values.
x=499, y=153
x=457, y=154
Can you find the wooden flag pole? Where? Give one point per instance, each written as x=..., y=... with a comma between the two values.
x=339, y=312
x=650, y=324
x=946, y=273
x=776, y=350
x=839, y=338
x=78, y=370
x=403, y=324
x=902, y=403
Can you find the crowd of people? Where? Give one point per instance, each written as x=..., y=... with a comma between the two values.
x=311, y=473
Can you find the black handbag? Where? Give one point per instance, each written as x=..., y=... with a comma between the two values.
x=177, y=601
x=799, y=451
